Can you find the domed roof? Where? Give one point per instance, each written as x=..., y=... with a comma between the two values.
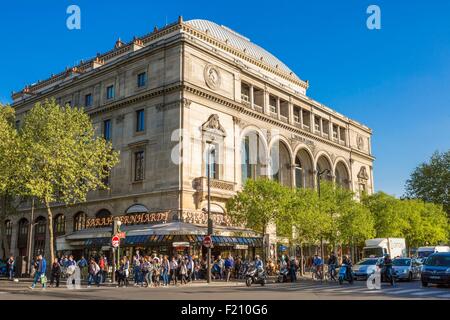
x=239, y=42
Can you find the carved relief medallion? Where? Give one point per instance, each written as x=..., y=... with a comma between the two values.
x=212, y=76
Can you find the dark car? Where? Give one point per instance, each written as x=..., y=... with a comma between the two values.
x=436, y=269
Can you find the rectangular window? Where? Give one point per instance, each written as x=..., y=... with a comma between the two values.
x=88, y=100
x=110, y=92
x=17, y=124
x=139, y=166
x=212, y=166
x=141, y=79
x=107, y=130
x=140, y=120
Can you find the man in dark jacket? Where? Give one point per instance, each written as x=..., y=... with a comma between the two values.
x=55, y=273
x=11, y=263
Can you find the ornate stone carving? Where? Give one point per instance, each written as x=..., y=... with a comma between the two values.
x=186, y=103
x=212, y=76
x=213, y=125
x=360, y=142
x=362, y=174
x=120, y=118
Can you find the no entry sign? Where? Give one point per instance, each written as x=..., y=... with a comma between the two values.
x=207, y=241
x=115, y=241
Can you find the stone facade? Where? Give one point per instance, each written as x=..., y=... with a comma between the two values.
x=206, y=87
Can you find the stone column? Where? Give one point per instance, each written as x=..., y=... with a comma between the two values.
x=311, y=121
x=278, y=108
x=291, y=113
x=266, y=106
x=301, y=118
x=330, y=129
x=252, y=99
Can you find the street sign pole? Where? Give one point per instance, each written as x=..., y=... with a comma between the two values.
x=209, y=216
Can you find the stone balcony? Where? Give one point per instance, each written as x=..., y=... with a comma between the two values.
x=219, y=188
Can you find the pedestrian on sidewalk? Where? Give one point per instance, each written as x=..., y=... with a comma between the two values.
x=101, y=273
x=136, y=268
x=229, y=264
x=40, y=272
x=11, y=265
x=93, y=270
x=174, y=271
x=55, y=273
x=190, y=269
x=183, y=271
x=165, y=266
x=148, y=271
x=82, y=264
x=156, y=271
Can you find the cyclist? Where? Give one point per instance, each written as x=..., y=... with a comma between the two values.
x=332, y=263
x=317, y=266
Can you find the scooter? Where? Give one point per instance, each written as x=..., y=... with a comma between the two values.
x=283, y=275
x=343, y=276
x=255, y=276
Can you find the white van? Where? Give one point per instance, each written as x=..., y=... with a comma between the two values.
x=424, y=252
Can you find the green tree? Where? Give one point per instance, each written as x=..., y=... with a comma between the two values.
x=389, y=220
x=10, y=170
x=63, y=157
x=260, y=203
x=431, y=181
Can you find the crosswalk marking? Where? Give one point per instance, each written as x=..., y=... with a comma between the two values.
x=333, y=288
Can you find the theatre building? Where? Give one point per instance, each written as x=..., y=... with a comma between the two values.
x=190, y=96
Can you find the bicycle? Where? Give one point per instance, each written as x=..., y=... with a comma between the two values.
x=317, y=273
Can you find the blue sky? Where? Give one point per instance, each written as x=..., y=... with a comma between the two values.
x=395, y=80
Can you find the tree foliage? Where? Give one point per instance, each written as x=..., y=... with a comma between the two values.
x=260, y=203
x=431, y=181
x=64, y=160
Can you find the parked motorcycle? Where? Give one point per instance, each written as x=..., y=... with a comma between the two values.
x=344, y=275
x=283, y=275
x=254, y=275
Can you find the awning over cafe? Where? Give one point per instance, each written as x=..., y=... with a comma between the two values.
x=161, y=234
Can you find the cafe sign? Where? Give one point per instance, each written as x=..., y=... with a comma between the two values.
x=140, y=218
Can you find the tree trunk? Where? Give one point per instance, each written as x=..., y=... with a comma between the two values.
x=50, y=231
x=3, y=213
x=302, y=262
x=265, y=245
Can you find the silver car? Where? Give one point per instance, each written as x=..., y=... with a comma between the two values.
x=406, y=268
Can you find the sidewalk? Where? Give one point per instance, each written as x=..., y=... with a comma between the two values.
x=108, y=283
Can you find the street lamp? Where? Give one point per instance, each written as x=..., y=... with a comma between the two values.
x=115, y=229
x=319, y=174
x=210, y=226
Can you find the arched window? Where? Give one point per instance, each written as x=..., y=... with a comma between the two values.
x=342, y=176
x=303, y=169
x=8, y=231
x=280, y=165
x=39, y=235
x=22, y=239
x=104, y=213
x=59, y=225
x=79, y=221
x=253, y=156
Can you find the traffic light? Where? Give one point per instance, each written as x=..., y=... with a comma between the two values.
x=116, y=226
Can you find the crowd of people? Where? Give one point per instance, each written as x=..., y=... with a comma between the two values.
x=161, y=270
